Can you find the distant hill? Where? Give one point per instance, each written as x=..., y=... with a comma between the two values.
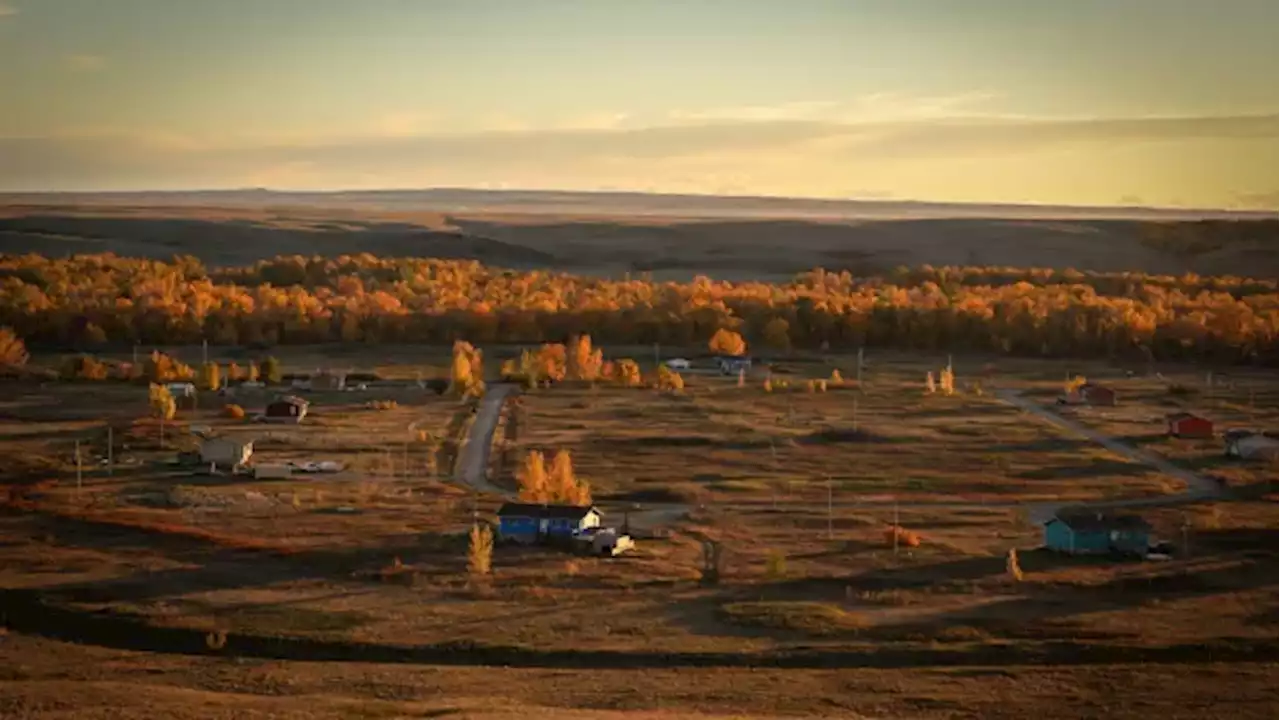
x=671, y=236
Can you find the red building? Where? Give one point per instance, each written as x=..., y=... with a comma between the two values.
x=1186, y=425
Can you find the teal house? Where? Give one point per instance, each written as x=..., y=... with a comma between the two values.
x=1097, y=534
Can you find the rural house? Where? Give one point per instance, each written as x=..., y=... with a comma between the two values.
x=226, y=452
x=286, y=409
x=1097, y=534
x=1187, y=425
x=1089, y=394
x=1250, y=446
x=529, y=523
x=734, y=364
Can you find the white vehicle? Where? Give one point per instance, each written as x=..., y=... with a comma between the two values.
x=678, y=364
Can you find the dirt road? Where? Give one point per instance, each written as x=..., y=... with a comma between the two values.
x=473, y=466
x=1198, y=486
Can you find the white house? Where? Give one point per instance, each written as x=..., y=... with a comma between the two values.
x=1252, y=447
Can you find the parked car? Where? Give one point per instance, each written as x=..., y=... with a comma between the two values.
x=678, y=364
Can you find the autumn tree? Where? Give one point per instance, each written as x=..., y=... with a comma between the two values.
x=85, y=367
x=12, y=350
x=161, y=401
x=563, y=485
x=270, y=370
x=584, y=362
x=210, y=376
x=252, y=372
x=480, y=550
x=532, y=480
x=234, y=372
x=466, y=371
x=162, y=368
x=627, y=373
x=669, y=379
x=728, y=342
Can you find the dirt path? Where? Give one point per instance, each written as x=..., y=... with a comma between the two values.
x=1198, y=486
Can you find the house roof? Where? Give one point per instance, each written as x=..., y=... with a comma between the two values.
x=1178, y=416
x=1100, y=521
x=548, y=512
x=290, y=400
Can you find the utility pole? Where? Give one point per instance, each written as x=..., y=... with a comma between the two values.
x=859, y=367
x=656, y=357
x=204, y=351
x=855, y=414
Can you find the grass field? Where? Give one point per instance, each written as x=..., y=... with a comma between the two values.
x=366, y=569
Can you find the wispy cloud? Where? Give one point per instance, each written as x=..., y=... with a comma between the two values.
x=874, y=107
x=920, y=158
x=7, y=10
x=83, y=63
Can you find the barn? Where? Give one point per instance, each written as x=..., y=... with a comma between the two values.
x=1085, y=533
x=1188, y=425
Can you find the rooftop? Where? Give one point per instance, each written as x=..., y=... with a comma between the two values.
x=1101, y=521
x=570, y=512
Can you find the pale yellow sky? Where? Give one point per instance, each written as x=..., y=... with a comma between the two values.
x=1098, y=102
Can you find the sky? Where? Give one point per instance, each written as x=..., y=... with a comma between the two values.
x=1080, y=102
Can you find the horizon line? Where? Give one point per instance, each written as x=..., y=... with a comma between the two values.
x=1170, y=209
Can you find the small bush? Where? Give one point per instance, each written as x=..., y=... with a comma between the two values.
x=775, y=567
x=235, y=412
x=1180, y=390
x=904, y=537
x=382, y=405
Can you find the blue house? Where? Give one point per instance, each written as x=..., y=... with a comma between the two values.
x=733, y=364
x=1097, y=534
x=530, y=523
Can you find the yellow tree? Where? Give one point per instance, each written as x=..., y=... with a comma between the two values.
x=728, y=342
x=480, y=550
x=560, y=481
x=669, y=379
x=210, y=376
x=551, y=362
x=161, y=401
x=466, y=377
x=532, y=479
x=251, y=374
x=234, y=372
x=12, y=350
x=627, y=373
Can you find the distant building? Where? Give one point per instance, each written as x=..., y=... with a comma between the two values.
x=1089, y=394
x=286, y=409
x=1251, y=446
x=733, y=364
x=530, y=523
x=1187, y=425
x=1086, y=533
x=329, y=380
x=226, y=452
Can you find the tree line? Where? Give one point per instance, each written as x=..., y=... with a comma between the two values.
x=89, y=301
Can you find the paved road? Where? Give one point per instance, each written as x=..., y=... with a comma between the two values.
x=473, y=467
x=1198, y=486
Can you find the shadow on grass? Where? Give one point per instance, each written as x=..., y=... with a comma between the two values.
x=1094, y=468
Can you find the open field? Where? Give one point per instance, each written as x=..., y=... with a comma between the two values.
x=599, y=236
x=815, y=612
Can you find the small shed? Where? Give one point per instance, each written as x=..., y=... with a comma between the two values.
x=289, y=408
x=530, y=523
x=1096, y=533
x=1251, y=446
x=1188, y=425
x=226, y=452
